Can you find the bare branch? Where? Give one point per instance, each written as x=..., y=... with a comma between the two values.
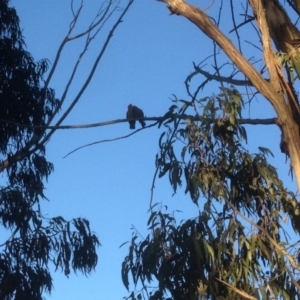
x=95, y=23
x=201, y=20
x=270, y=121
x=219, y=78
x=90, y=76
x=278, y=91
x=37, y=141
x=88, y=41
x=65, y=40
x=234, y=24
x=242, y=24
x=108, y=140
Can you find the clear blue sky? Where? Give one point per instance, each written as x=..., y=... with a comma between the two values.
x=146, y=62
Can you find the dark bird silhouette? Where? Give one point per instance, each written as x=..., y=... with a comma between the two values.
x=135, y=113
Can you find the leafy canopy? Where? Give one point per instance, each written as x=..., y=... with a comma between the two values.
x=237, y=246
x=237, y=237
x=35, y=242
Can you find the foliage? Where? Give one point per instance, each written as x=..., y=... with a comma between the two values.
x=232, y=188
x=237, y=246
x=26, y=105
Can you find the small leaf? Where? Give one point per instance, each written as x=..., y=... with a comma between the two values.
x=160, y=140
x=123, y=244
x=266, y=151
x=124, y=272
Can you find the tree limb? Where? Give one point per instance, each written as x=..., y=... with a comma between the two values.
x=270, y=90
x=248, y=121
x=37, y=142
x=218, y=78
x=108, y=140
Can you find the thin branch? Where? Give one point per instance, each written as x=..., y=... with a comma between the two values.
x=242, y=24
x=189, y=78
x=110, y=35
x=219, y=78
x=65, y=40
x=248, y=121
x=152, y=188
x=37, y=141
x=216, y=67
x=79, y=60
x=68, y=39
x=108, y=140
x=270, y=121
x=203, y=22
x=93, y=25
x=235, y=27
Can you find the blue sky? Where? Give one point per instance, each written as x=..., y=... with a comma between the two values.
x=146, y=62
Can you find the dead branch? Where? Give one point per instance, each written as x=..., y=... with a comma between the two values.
x=219, y=78
x=108, y=140
x=248, y=121
x=90, y=76
x=38, y=141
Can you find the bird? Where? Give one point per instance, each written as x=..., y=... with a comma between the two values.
x=135, y=113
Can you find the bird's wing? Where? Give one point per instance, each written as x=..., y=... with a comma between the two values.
x=137, y=112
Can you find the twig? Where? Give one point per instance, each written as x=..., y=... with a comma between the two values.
x=38, y=141
x=108, y=140
x=222, y=78
x=110, y=35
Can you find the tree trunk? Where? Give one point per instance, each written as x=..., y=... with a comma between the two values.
x=277, y=91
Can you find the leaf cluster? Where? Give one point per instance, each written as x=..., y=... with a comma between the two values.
x=25, y=104
x=237, y=246
x=35, y=242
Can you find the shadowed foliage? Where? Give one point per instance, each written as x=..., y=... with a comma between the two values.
x=34, y=242
x=243, y=240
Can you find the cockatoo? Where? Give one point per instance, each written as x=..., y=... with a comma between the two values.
x=134, y=113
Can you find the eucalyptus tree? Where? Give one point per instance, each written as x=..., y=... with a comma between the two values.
x=238, y=244
x=30, y=113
